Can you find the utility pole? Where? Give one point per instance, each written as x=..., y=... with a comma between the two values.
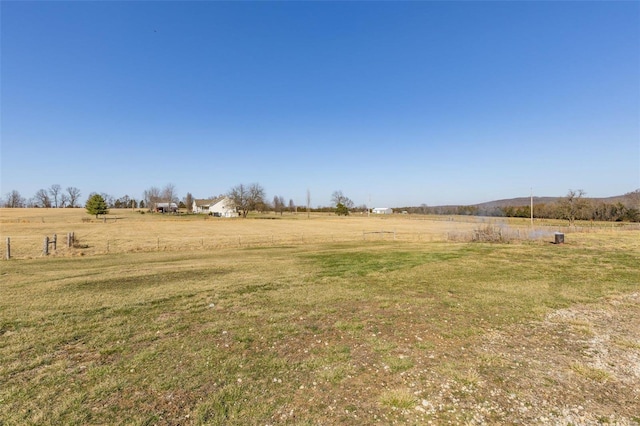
x=531, y=206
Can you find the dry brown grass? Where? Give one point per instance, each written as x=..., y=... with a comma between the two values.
x=127, y=231
x=132, y=231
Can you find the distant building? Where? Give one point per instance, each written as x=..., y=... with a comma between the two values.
x=382, y=210
x=166, y=207
x=221, y=207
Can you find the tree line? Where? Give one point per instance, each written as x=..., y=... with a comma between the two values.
x=574, y=206
x=252, y=197
x=245, y=197
x=54, y=196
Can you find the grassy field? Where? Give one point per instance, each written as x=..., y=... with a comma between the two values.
x=128, y=231
x=315, y=321
x=125, y=231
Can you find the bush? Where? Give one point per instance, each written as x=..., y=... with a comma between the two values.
x=488, y=233
x=342, y=210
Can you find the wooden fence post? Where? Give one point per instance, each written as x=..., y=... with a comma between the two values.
x=8, y=248
x=45, y=247
x=55, y=241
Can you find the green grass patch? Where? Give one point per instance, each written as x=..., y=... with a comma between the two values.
x=348, y=263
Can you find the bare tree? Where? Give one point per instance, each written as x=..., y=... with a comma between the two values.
x=151, y=197
x=41, y=199
x=282, y=204
x=64, y=199
x=74, y=196
x=108, y=199
x=169, y=193
x=277, y=207
x=14, y=200
x=339, y=198
x=292, y=206
x=54, y=190
x=278, y=204
x=633, y=199
x=573, y=204
x=246, y=198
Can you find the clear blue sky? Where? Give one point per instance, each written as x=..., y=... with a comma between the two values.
x=402, y=103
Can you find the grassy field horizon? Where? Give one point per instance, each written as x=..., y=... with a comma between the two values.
x=126, y=230
x=325, y=326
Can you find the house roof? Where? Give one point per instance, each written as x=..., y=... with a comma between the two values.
x=203, y=202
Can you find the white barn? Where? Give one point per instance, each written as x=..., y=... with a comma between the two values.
x=221, y=207
x=382, y=210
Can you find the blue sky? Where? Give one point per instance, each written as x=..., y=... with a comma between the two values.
x=400, y=103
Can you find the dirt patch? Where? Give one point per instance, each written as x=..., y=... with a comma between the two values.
x=580, y=365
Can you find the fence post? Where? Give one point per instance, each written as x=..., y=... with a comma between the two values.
x=55, y=240
x=45, y=247
x=8, y=248
x=68, y=239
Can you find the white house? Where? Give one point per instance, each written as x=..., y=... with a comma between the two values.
x=382, y=210
x=221, y=207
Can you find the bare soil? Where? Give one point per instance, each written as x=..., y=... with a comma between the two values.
x=582, y=367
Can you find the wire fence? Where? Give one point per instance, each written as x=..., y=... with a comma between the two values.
x=89, y=243
x=32, y=247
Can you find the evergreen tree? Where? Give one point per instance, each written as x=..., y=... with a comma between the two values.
x=96, y=205
x=342, y=210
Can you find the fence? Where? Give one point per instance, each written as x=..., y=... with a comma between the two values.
x=81, y=245
x=25, y=247
x=49, y=245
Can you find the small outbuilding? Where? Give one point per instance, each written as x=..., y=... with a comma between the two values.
x=166, y=208
x=382, y=210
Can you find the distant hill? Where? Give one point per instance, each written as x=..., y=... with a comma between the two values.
x=517, y=202
x=632, y=199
